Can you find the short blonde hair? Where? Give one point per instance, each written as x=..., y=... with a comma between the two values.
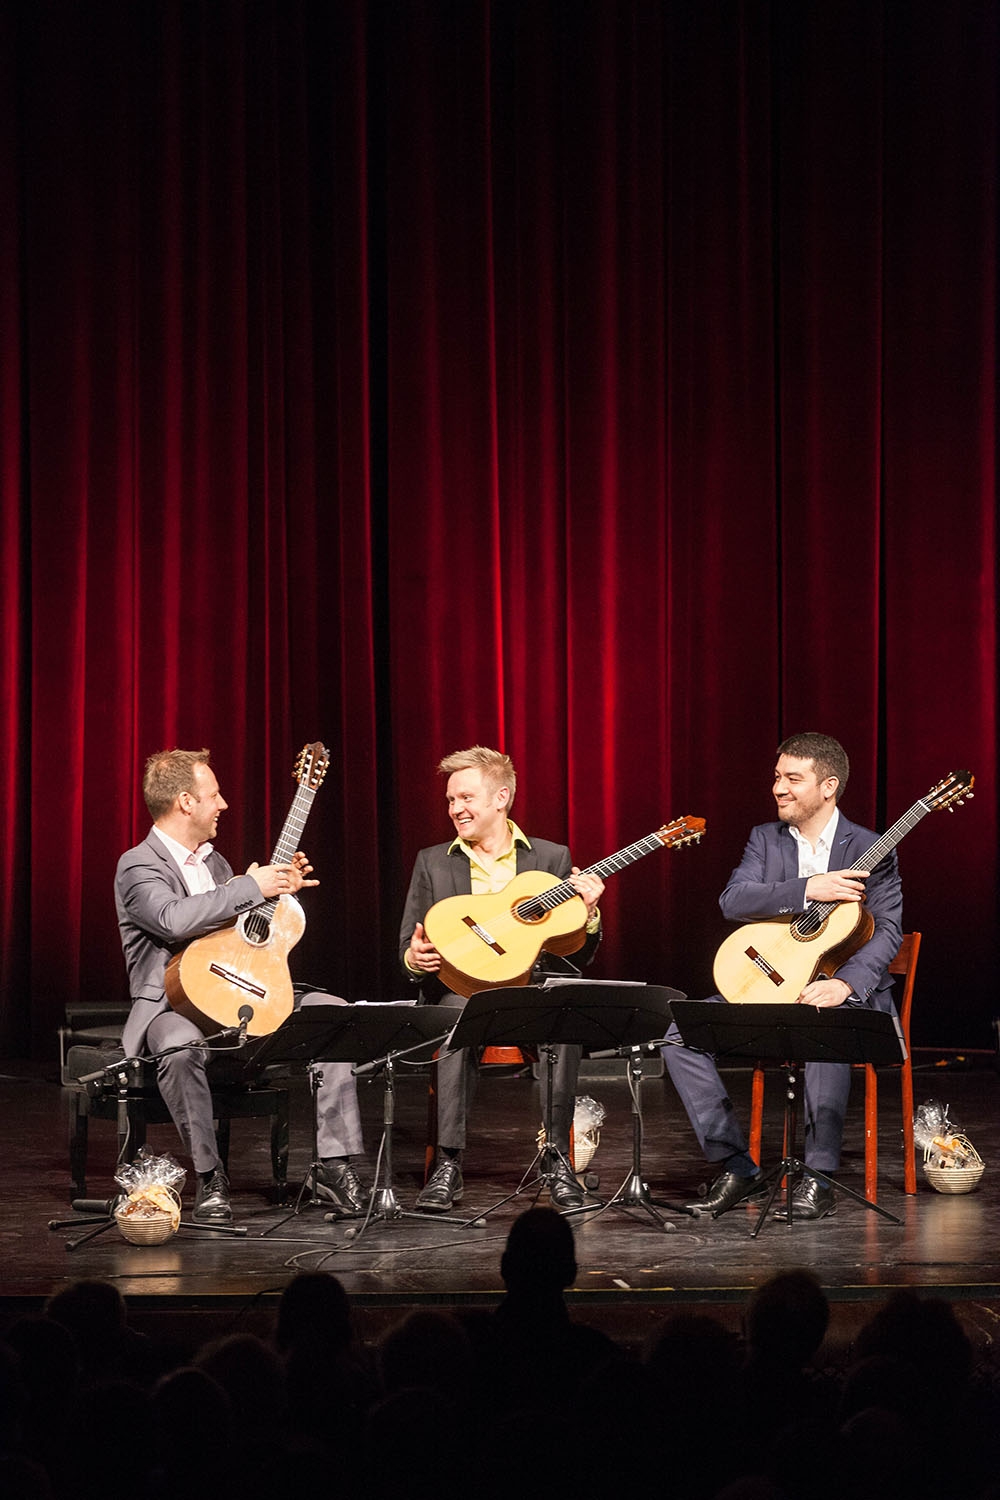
x=497, y=769
x=167, y=774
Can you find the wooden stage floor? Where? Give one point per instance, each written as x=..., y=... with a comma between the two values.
x=630, y=1269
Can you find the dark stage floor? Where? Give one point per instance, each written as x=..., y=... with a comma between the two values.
x=630, y=1269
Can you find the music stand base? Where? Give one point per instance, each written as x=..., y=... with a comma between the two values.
x=100, y=1226
x=791, y=1166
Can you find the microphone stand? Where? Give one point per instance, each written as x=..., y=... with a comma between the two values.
x=634, y=1191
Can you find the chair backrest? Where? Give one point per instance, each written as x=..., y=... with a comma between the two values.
x=905, y=964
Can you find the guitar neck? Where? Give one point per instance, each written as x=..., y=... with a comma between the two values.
x=289, y=840
x=290, y=837
x=820, y=910
x=565, y=891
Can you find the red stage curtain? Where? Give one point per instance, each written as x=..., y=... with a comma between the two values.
x=611, y=381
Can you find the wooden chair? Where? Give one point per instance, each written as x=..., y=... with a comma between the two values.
x=91, y=1040
x=905, y=965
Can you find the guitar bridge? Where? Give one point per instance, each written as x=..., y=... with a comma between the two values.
x=482, y=934
x=231, y=977
x=764, y=966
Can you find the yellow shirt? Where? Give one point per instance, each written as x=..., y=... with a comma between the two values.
x=488, y=879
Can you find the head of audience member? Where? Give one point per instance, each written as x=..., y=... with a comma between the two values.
x=430, y=1349
x=314, y=1308
x=786, y=1320
x=249, y=1371
x=540, y=1258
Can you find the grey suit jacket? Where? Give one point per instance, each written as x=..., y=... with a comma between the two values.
x=438, y=873
x=157, y=916
x=766, y=883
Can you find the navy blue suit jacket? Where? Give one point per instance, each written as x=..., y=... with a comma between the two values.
x=766, y=883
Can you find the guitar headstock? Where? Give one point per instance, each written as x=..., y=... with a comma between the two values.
x=681, y=831
x=311, y=765
x=952, y=791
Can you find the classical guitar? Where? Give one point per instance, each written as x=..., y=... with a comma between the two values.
x=246, y=963
x=489, y=941
x=774, y=960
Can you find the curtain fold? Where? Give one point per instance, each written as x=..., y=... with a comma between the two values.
x=614, y=382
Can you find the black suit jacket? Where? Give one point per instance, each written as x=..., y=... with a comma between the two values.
x=438, y=873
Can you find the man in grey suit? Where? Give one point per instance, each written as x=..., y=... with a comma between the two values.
x=488, y=851
x=810, y=854
x=174, y=887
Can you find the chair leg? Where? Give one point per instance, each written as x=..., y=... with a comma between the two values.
x=430, y=1150
x=279, y=1148
x=909, y=1153
x=871, y=1134
x=757, y=1113
x=79, y=1122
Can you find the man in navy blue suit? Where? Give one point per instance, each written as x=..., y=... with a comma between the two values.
x=810, y=854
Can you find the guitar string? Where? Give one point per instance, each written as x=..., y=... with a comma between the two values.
x=536, y=906
x=812, y=920
x=258, y=923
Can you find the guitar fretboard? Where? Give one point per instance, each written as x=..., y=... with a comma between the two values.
x=257, y=922
x=536, y=907
x=812, y=920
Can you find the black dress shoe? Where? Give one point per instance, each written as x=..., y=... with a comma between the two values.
x=211, y=1199
x=564, y=1190
x=443, y=1188
x=811, y=1199
x=338, y=1183
x=726, y=1191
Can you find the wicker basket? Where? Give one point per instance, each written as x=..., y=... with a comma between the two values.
x=154, y=1230
x=954, y=1179
x=150, y=1228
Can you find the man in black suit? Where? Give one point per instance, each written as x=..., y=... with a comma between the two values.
x=488, y=851
x=174, y=887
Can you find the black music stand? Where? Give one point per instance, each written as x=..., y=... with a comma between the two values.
x=780, y=1032
x=600, y=1015
x=374, y=1037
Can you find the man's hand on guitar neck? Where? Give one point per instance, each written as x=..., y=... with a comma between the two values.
x=282, y=880
x=589, y=885
x=421, y=956
x=837, y=885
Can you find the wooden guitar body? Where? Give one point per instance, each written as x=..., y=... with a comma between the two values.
x=489, y=941
x=485, y=944
x=775, y=959
x=245, y=964
x=768, y=962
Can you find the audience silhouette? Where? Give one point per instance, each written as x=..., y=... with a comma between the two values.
x=526, y=1397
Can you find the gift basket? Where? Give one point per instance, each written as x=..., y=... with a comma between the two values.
x=951, y=1162
x=148, y=1211
x=585, y=1132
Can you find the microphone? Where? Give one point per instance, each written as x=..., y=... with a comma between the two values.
x=105, y=1206
x=104, y=1073
x=245, y=1014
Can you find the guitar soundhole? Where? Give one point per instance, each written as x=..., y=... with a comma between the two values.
x=531, y=911
x=808, y=925
x=257, y=930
